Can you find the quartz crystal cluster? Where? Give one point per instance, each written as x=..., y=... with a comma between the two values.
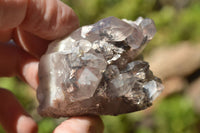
x=97, y=70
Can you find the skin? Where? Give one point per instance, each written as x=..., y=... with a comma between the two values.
x=32, y=25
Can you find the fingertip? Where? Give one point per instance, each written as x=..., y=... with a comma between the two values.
x=16, y=62
x=13, y=117
x=27, y=68
x=26, y=124
x=81, y=124
x=30, y=73
x=45, y=21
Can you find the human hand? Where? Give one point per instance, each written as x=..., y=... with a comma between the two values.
x=32, y=24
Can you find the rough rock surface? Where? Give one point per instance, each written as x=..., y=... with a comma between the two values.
x=96, y=70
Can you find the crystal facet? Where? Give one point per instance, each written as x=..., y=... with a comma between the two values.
x=96, y=70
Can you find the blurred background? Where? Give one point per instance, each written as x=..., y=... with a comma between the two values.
x=173, y=54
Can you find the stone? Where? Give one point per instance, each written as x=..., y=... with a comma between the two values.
x=97, y=71
x=176, y=56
